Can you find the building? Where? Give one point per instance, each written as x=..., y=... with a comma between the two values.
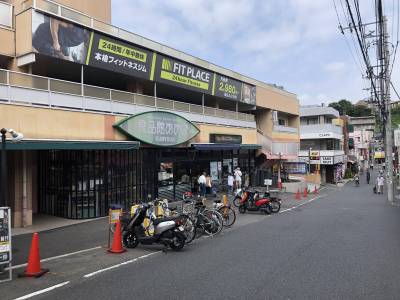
x=321, y=142
x=111, y=118
x=360, y=139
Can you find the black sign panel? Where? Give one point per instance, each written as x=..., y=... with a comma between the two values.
x=178, y=73
x=225, y=138
x=111, y=54
x=227, y=87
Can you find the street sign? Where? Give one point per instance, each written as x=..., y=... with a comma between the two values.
x=5, y=241
x=114, y=215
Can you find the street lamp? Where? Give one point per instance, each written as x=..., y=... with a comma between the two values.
x=16, y=137
x=309, y=160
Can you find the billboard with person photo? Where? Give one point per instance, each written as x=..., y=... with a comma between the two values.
x=60, y=39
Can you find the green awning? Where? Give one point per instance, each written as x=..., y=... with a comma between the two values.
x=250, y=147
x=71, y=145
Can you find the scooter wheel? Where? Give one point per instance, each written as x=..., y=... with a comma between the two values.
x=266, y=209
x=242, y=209
x=130, y=239
x=236, y=201
x=178, y=241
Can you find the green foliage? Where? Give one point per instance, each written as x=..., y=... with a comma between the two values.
x=345, y=107
x=348, y=174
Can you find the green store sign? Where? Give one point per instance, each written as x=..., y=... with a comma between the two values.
x=158, y=128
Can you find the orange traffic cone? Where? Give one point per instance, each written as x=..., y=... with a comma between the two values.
x=33, y=269
x=298, y=196
x=117, y=241
x=315, y=190
x=305, y=194
x=279, y=184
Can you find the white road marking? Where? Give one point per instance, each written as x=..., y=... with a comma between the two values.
x=42, y=291
x=120, y=264
x=294, y=207
x=56, y=257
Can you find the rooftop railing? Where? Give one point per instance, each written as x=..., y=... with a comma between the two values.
x=24, y=80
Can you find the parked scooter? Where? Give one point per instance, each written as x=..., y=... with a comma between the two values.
x=275, y=202
x=168, y=231
x=238, y=196
x=250, y=201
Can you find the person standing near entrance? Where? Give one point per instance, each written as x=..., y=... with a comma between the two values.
x=380, y=182
x=238, y=178
x=368, y=176
x=202, y=184
x=230, y=183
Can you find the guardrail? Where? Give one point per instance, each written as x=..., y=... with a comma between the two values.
x=24, y=80
x=282, y=128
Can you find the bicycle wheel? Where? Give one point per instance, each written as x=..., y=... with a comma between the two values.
x=228, y=215
x=236, y=201
x=213, y=222
x=190, y=230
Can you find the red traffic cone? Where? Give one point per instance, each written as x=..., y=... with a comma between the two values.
x=298, y=196
x=315, y=190
x=117, y=241
x=305, y=194
x=33, y=269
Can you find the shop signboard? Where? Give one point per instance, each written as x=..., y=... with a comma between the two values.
x=5, y=239
x=181, y=74
x=248, y=94
x=225, y=138
x=68, y=41
x=158, y=128
x=113, y=55
x=226, y=87
x=326, y=160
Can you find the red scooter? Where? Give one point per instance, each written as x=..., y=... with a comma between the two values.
x=251, y=201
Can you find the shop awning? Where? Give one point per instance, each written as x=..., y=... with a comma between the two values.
x=71, y=145
x=214, y=146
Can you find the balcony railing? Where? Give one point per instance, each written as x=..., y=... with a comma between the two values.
x=320, y=128
x=96, y=98
x=287, y=129
x=273, y=147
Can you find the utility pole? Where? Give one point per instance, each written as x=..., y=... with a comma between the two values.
x=385, y=97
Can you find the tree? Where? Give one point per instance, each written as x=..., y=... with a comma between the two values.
x=345, y=107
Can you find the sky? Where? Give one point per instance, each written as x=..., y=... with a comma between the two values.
x=292, y=43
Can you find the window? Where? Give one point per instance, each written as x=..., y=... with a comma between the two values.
x=281, y=122
x=312, y=121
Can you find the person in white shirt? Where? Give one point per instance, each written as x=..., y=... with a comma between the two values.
x=202, y=184
x=238, y=178
x=230, y=183
x=379, y=182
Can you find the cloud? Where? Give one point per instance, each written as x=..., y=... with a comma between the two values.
x=294, y=43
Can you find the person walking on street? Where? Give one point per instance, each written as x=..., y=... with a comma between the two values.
x=202, y=184
x=379, y=182
x=368, y=176
x=238, y=178
x=230, y=183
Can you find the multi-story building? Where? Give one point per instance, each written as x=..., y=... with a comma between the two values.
x=110, y=117
x=360, y=139
x=321, y=142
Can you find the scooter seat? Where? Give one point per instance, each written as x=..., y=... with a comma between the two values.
x=160, y=220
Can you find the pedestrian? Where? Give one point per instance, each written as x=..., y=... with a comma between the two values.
x=379, y=182
x=202, y=184
x=208, y=184
x=230, y=183
x=238, y=178
x=368, y=176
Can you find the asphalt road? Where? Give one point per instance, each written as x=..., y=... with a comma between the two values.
x=344, y=245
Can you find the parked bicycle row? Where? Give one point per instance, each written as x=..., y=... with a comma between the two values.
x=157, y=222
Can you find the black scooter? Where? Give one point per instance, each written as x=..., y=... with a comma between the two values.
x=167, y=231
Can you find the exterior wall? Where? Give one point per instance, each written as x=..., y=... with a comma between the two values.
x=277, y=100
x=42, y=123
x=7, y=45
x=100, y=10
x=249, y=136
x=23, y=29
